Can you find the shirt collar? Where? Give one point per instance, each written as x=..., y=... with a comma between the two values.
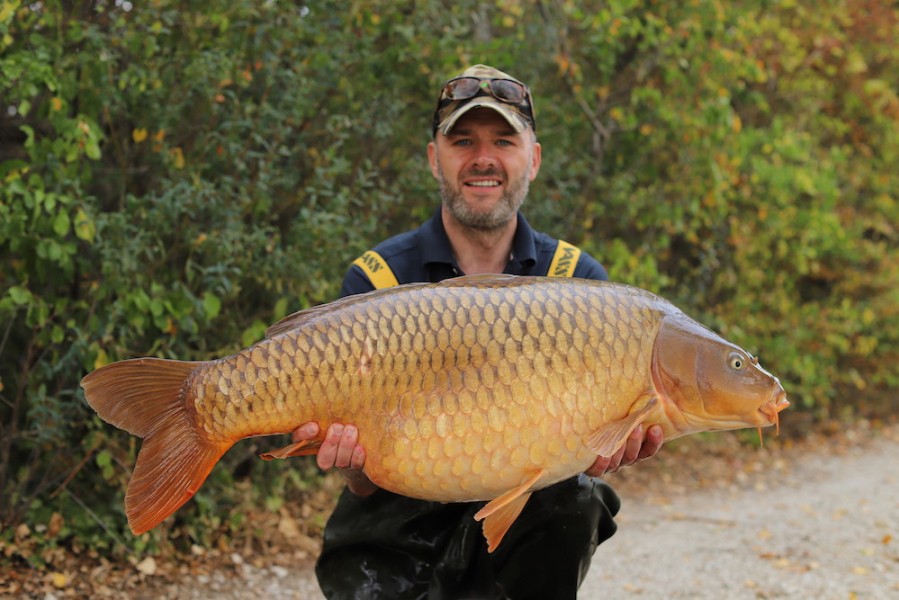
x=438, y=249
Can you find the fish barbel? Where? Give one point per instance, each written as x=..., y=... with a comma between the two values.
x=477, y=388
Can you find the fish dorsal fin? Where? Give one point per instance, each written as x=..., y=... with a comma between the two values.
x=499, y=514
x=606, y=440
x=295, y=320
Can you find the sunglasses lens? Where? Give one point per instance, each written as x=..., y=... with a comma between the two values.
x=507, y=91
x=462, y=88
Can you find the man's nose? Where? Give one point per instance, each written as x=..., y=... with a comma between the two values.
x=484, y=158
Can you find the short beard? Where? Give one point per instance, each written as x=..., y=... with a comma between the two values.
x=504, y=211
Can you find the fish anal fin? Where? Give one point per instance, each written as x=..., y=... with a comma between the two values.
x=606, y=440
x=499, y=514
x=498, y=523
x=304, y=448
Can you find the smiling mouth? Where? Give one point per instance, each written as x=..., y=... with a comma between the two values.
x=483, y=184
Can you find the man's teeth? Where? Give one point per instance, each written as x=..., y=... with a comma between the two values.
x=483, y=183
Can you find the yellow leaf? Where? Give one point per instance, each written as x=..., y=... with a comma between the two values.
x=102, y=359
x=56, y=104
x=178, y=157
x=170, y=327
x=7, y=10
x=85, y=228
x=139, y=135
x=60, y=580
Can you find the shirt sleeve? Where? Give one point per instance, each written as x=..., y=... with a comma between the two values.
x=589, y=268
x=355, y=282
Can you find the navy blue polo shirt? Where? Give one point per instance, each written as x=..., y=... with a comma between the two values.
x=426, y=255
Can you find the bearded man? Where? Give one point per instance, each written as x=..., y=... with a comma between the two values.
x=484, y=154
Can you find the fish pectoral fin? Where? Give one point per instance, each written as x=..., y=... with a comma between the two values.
x=606, y=440
x=304, y=448
x=499, y=514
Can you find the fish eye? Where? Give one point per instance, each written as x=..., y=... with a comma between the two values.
x=736, y=361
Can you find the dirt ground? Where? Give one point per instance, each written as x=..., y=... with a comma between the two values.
x=706, y=518
x=807, y=522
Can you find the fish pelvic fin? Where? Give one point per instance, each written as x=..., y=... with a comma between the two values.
x=499, y=514
x=304, y=448
x=146, y=397
x=606, y=440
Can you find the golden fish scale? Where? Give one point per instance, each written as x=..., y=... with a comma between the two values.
x=456, y=391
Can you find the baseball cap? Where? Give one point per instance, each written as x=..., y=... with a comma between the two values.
x=484, y=86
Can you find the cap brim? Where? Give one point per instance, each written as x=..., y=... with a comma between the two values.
x=515, y=120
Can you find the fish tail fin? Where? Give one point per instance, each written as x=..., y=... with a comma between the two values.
x=146, y=397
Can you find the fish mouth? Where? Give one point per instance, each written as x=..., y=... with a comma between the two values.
x=771, y=410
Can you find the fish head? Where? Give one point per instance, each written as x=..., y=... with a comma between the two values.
x=713, y=384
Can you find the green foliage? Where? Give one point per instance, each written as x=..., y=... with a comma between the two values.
x=175, y=178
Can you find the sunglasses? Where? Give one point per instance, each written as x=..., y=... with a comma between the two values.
x=507, y=91
x=504, y=90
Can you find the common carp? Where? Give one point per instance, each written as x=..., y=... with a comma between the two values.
x=485, y=387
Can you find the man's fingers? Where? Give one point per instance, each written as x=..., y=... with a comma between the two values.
x=652, y=443
x=327, y=454
x=304, y=432
x=346, y=447
x=358, y=459
x=600, y=465
x=632, y=447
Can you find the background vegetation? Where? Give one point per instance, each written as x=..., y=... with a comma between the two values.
x=176, y=176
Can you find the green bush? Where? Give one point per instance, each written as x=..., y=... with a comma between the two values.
x=176, y=178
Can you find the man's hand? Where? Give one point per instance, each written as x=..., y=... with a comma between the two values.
x=340, y=450
x=636, y=448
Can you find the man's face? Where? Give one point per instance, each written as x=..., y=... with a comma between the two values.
x=484, y=168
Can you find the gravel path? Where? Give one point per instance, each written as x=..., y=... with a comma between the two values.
x=805, y=522
x=826, y=528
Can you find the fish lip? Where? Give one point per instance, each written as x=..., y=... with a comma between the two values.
x=771, y=409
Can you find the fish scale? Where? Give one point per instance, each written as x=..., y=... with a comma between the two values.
x=477, y=388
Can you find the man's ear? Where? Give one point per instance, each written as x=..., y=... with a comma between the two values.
x=536, y=158
x=432, y=159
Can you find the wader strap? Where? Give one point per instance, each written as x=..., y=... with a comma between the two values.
x=564, y=260
x=376, y=269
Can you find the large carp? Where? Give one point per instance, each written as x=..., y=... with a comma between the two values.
x=477, y=388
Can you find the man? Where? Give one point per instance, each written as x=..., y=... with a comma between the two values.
x=484, y=155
